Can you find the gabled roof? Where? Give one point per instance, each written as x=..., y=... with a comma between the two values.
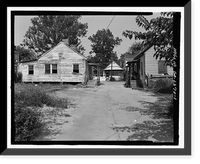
x=65, y=45
x=115, y=66
x=53, y=48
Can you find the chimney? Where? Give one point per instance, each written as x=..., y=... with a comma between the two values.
x=66, y=41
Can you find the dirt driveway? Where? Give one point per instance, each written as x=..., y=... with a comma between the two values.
x=111, y=112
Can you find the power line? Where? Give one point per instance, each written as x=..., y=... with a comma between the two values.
x=110, y=22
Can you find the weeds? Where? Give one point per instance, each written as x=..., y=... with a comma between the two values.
x=28, y=124
x=36, y=96
x=27, y=118
x=162, y=86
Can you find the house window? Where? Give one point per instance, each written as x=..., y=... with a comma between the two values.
x=47, y=69
x=162, y=67
x=30, y=70
x=54, y=68
x=76, y=68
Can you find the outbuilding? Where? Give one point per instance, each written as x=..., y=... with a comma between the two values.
x=114, y=70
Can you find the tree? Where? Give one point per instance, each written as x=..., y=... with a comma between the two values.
x=159, y=33
x=103, y=43
x=48, y=30
x=24, y=54
x=135, y=48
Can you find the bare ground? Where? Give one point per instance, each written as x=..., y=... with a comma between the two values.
x=109, y=112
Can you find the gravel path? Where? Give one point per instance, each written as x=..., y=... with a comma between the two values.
x=107, y=112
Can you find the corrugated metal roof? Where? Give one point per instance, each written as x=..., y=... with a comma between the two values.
x=115, y=66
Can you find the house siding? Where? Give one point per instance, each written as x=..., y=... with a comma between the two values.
x=151, y=64
x=64, y=57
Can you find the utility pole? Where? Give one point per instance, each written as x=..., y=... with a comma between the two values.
x=111, y=69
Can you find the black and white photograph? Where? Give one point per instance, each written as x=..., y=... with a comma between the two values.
x=96, y=78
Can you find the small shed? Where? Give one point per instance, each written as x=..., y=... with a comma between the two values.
x=114, y=70
x=62, y=63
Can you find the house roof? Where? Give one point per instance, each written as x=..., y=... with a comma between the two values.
x=53, y=48
x=141, y=53
x=129, y=57
x=31, y=60
x=115, y=66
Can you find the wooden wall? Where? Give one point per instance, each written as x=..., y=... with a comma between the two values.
x=64, y=57
x=151, y=64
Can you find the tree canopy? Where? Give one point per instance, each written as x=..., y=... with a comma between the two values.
x=48, y=30
x=135, y=48
x=158, y=33
x=24, y=54
x=103, y=43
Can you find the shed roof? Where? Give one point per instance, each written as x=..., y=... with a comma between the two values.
x=129, y=57
x=31, y=60
x=115, y=66
x=141, y=53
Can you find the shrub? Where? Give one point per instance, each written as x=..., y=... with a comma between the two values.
x=28, y=124
x=17, y=77
x=162, y=86
x=27, y=118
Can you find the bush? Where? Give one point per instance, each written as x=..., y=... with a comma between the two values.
x=162, y=86
x=17, y=77
x=28, y=124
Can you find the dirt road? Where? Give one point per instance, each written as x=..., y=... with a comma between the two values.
x=107, y=112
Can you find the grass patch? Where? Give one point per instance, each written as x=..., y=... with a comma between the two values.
x=28, y=99
x=36, y=96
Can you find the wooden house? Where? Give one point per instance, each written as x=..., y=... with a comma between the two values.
x=62, y=63
x=145, y=66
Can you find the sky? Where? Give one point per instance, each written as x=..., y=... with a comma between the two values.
x=119, y=24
